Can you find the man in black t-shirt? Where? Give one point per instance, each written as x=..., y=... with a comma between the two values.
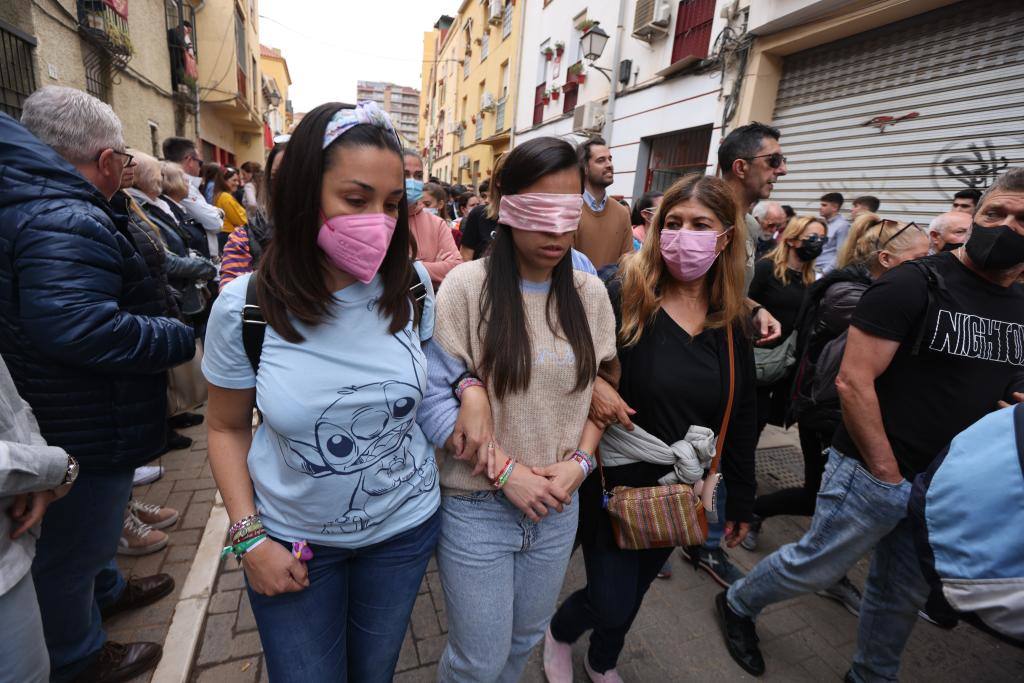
x=933, y=346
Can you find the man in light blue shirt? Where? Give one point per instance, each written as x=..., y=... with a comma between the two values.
x=838, y=229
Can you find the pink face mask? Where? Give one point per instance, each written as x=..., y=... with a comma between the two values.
x=356, y=243
x=541, y=212
x=689, y=254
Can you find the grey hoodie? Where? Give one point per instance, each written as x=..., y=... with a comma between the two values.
x=26, y=464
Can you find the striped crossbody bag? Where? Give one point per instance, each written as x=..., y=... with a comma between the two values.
x=675, y=514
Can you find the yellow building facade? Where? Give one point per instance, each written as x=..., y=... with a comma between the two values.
x=230, y=81
x=276, y=80
x=470, y=66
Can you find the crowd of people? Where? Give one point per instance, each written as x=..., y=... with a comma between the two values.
x=479, y=375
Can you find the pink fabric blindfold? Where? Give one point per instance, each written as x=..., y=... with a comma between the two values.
x=541, y=212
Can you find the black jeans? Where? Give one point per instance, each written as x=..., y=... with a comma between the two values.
x=617, y=581
x=799, y=501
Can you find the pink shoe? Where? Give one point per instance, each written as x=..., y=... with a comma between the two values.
x=557, y=659
x=609, y=676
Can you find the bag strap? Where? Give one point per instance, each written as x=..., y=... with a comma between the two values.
x=254, y=327
x=936, y=283
x=720, y=443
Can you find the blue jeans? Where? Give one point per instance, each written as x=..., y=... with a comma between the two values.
x=22, y=648
x=501, y=575
x=74, y=570
x=854, y=513
x=358, y=602
x=716, y=529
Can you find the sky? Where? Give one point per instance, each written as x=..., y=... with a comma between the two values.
x=331, y=44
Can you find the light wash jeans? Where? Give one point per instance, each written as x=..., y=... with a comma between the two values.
x=855, y=512
x=22, y=648
x=501, y=575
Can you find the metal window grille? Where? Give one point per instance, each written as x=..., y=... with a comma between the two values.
x=97, y=73
x=485, y=44
x=499, y=118
x=17, y=80
x=506, y=22
x=479, y=125
x=676, y=155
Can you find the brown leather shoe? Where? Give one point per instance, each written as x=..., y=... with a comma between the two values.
x=117, y=662
x=139, y=592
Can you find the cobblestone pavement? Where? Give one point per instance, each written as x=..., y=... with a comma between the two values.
x=187, y=486
x=674, y=637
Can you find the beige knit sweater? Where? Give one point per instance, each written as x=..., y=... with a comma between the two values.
x=543, y=424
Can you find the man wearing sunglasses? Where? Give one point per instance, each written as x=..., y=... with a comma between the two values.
x=89, y=352
x=182, y=151
x=838, y=228
x=934, y=345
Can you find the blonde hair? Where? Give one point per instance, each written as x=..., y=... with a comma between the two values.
x=494, y=193
x=849, y=252
x=175, y=184
x=780, y=254
x=645, y=276
x=878, y=236
x=147, y=172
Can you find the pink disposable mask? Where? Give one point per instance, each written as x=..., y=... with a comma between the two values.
x=689, y=254
x=541, y=212
x=357, y=243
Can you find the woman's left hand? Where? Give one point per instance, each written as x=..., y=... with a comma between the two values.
x=474, y=431
x=566, y=476
x=768, y=328
x=734, y=533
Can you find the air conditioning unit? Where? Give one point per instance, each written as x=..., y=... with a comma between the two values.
x=487, y=102
x=494, y=12
x=463, y=161
x=652, y=19
x=588, y=118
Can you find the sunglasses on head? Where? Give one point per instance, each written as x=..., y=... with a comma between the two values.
x=775, y=159
x=230, y=173
x=879, y=246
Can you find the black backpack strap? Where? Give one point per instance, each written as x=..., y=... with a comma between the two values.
x=935, y=283
x=417, y=294
x=254, y=327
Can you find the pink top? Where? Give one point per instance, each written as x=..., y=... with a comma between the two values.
x=639, y=232
x=435, y=246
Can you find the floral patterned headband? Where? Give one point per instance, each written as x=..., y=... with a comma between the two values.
x=364, y=112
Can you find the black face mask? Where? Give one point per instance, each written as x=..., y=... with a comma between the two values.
x=995, y=248
x=952, y=246
x=808, y=251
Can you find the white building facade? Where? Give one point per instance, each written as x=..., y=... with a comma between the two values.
x=666, y=118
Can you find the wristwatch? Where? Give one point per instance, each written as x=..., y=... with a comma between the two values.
x=72, y=473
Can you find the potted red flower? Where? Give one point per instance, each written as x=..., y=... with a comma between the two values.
x=559, y=48
x=546, y=99
x=555, y=93
x=548, y=53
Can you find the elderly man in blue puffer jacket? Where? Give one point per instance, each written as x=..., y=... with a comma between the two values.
x=81, y=332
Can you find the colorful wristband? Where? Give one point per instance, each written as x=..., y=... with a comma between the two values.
x=503, y=475
x=465, y=384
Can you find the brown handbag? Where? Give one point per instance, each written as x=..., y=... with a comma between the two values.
x=674, y=514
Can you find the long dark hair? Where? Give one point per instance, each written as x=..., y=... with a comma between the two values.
x=220, y=181
x=288, y=282
x=646, y=201
x=507, y=356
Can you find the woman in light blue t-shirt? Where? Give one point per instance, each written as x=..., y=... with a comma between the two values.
x=333, y=501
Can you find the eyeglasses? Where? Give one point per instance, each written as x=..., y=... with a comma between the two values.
x=196, y=159
x=775, y=159
x=879, y=246
x=128, y=161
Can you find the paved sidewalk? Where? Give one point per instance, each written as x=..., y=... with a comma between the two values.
x=188, y=487
x=674, y=637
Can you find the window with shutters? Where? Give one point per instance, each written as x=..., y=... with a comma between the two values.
x=485, y=44
x=506, y=22
x=693, y=29
x=538, y=103
x=676, y=155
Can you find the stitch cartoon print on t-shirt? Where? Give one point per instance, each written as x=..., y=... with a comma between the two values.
x=364, y=435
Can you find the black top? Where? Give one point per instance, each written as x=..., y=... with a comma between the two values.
x=674, y=381
x=971, y=355
x=478, y=231
x=781, y=300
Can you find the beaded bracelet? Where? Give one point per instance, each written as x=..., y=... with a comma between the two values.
x=504, y=474
x=251, y=529
x=244, y=521
x=585, y=460
x=468, y=382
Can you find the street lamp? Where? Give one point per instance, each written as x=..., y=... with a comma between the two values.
x=594, y=41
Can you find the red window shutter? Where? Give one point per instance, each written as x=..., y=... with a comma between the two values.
x=538, y=103
x=693, y=29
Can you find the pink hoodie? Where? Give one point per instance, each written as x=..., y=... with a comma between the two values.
x=435, y=246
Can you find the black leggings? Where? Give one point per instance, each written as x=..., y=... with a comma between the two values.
x=799, y=501
x=617, y=581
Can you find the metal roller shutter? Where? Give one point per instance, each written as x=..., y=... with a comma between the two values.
x=911, y=112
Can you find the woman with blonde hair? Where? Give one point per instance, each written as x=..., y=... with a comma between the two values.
x=874, y=246
x=781, y=278
x=679, y=303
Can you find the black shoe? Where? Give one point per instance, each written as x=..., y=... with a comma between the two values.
x=749, y=542
x=740, y=637
x=715, y=562
x=846, y=594
x=185, y=420
x=177, y=442
x=139, y=592
x=117, y=662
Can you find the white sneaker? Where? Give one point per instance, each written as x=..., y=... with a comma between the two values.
x=139, y=539
x=609, y=676
x=147, y=474
x=557, y=659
